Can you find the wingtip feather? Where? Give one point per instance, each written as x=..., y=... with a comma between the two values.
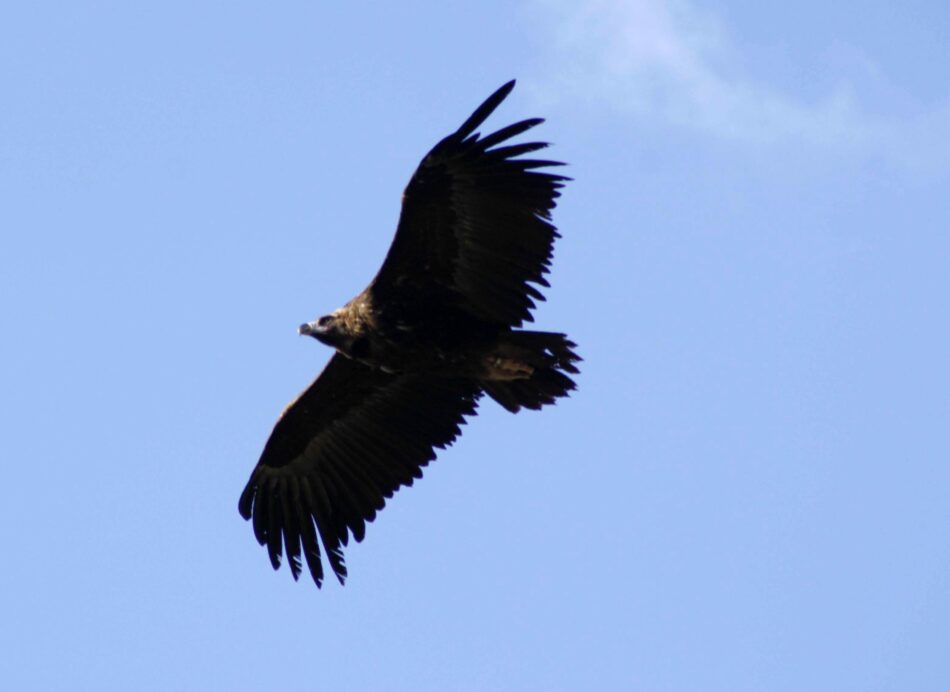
x=483, y=111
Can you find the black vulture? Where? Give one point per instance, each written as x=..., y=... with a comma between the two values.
x=435, y=329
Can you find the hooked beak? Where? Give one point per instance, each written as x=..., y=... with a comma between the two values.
x=310, y=329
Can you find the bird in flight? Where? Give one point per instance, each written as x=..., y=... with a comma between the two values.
x=435, y=330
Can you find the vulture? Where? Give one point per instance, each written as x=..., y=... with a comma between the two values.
x=436, y=329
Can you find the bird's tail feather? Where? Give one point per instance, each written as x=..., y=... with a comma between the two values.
x=549, y=355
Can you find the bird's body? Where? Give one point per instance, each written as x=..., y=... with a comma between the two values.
x=399, y=338
x=437, y=327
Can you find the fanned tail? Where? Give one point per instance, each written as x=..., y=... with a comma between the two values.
x=548, y=356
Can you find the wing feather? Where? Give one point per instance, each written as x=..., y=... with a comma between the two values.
x=344, y=446
x=474, y=227
x=289, y=501
x=274, y=538
x=311, y=546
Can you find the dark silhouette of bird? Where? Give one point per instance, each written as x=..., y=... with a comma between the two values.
x=436, y=328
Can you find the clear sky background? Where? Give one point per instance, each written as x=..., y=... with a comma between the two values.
x=750, y=489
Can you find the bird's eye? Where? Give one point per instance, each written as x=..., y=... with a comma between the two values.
x=324, y=321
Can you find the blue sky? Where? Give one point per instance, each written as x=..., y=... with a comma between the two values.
x=748, y=491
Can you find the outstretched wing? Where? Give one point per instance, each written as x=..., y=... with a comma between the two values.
x=339, y=450
x=475, y=224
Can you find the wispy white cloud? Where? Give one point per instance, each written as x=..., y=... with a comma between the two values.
x=669, y=61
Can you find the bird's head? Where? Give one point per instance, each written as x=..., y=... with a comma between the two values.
x=328, y=330
x=340, y=330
